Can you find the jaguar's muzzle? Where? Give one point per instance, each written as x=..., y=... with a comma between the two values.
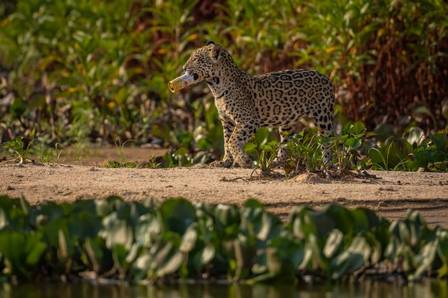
x=181, y=82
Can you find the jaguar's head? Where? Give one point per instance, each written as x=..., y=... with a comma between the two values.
x=203, y=64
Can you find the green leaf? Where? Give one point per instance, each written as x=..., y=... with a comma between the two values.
x=333, y=243
x=18, y=107
x=425, y=259
x=177, y=214
x=253, y=203
x=116, y=232
x=208, y=253
x=170, y=264
x=250, y=148
x=189, y=239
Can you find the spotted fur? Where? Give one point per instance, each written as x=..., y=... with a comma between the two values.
x=247, y=102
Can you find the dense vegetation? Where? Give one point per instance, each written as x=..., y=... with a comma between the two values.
x=352, y=150
x=174, y=240
x=96, y=71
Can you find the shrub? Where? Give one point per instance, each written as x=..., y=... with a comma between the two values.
x=97, y=72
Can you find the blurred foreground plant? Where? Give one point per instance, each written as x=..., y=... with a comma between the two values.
x=174, y=240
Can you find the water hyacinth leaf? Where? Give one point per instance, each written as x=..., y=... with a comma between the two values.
x=177, y=214
x=360, y=220
x=287, y=250
x=412, y=229
x=354, y=258
x=252, y=203
x=391, y=248
x=274, y=263
x=425, y=259
x=443, y=271
x=3, y=219
x=12, y=245
x=228, y=220
x=251, y=221
x=148, y=230
x=103, y=207
x=51, y=230
x=35, y=250
x=415, y=136
x=333, y=243
x=300, y=222
x=347, y=263
x=323, y=224
x=372, y=218
x=270, y=227
x=143, y=262
x=171, y=264
x=63, y=250
x=243, y=255
x=119, y=254
x=116, y=232
x=377, y=250
x=342, y=218
x=405, y=256
x=94, y=252
x=189, y=239
x=133, y=253
x=21, y=250
x=308, y=257
x=221, y=241
x=442, y=252
x=361, y=246
x=208, y=253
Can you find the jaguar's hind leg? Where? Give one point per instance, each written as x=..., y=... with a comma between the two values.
x=325, y=125
x=286, y=133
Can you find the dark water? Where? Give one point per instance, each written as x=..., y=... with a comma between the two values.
x=364, y=289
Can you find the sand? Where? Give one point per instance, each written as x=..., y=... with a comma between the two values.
x=390, y=193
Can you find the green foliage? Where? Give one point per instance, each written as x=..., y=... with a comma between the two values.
x=412, y=153
x=21, y=151
x=97, y=71
x=432, y=154
x=16, y=148
x=349, y=145
x=384, y=53
x=304, y=149
x=77, y=70
x=390, y=155
x=263, y=148
x=354, y=149
x=130, y=164
x=175, y=239
x=304, y=152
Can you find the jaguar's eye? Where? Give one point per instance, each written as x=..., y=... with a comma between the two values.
x=195, y=76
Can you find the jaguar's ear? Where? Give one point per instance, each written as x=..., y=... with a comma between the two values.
x=209, y=42
x=215, y=52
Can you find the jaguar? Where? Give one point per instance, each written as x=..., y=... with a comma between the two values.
x=247, y=102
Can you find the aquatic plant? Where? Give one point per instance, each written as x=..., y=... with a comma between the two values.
x=176, y=239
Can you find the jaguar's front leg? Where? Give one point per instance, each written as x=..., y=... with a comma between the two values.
x=228, y=126
x=241, y=134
